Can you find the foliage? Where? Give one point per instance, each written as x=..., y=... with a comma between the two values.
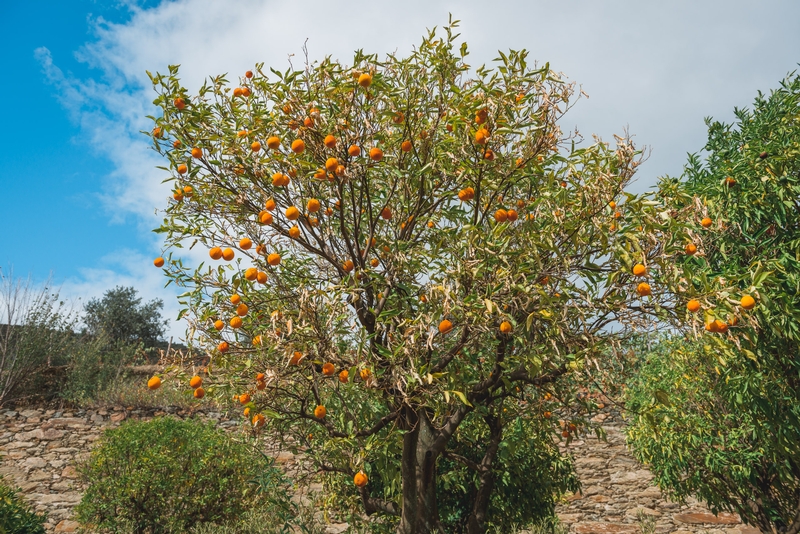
x=166, y=475
x=271, y=511
x=94, y=365
x=122, y=317
x=16, y=517
x=721, y=415
x=440, y=239
x=526, y=453
x=35, y=330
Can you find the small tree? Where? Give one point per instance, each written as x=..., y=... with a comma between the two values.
x=35, y=329
x=122, y=317
x=405, y=252
x=721, y=415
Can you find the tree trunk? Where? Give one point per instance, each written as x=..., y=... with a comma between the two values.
x=476, y=523
x=420, y=514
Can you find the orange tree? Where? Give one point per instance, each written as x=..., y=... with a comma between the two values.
x=407, y=264
x=728, y=431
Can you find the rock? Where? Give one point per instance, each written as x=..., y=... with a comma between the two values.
x=117, y=417
x=67, y=525
x=742, y=529
x=34, y=463
x=634, y=512
x=700, y=518
x=569, y=518
x=600, y=498
x=69, y=472
x=593, y=527
x=27, y=414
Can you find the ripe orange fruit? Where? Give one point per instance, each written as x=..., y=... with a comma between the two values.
x=313, y=205
x=329, y=141
x=195, y=382
x=242, y=309
x=693, y=305
x=354, y=151
x=320, y=412
x=501, y=215
x=245, y=243
x=375, y=154
x=398, y=117
x=245, y=92
x=223, y=346
x=235, y=299
x=257, y=341
x=722, y=326
x=374, y=262
x=215, y=253
x=292, y=213
x=348, y=266
x=255, y=146
x=386, y=213
x=344, y=376
x=331, y=164
x=328, y=369
x=260, y=376
x=512, y=215
x=244, y=398
x=748, y=302
x=643, y=289
x=406, y=146
x=565, y=433
x=730, y=182
x=308, y=122
x=265, y=217
x=157, y=132
x=261, y=277
x=270, y=204
x=176, y=143
x=197, y=153
x=482, y=136
x=236, y=322
x=445, y=326
x=364, y=374
x=449, y=127
x=298, y=146
x=260, y=385
x=182, y=169
x=690, y=249
x=258, y=420
x=505, y=327
x=489, y=154
x=274, y=259
x=158, y=262
x=294, y=232
x=340, y=170
x=243, y=133
x=273, y=142
x=199, y=393
x=280, y=180
x=706, y=222
x=481, y=115
x=296, y=357
x=237, y=92
x=227, y=254
x=365, y=80
x=639, y=270
x=248, y=74
x=547, y=415
x=179, y=103
x=360, y=480
x=219, y=325
x=178, y=195
x=188, y=191
x=154, y=383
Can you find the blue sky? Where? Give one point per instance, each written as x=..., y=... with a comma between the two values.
x=79, y=189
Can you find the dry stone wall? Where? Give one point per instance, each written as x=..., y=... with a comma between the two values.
x=39, y=450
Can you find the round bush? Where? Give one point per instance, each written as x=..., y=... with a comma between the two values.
x=167, y=475
x=16, y=517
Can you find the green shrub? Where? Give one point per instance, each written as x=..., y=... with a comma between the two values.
x=95, y=364
x=167, y=475
x=16, y=517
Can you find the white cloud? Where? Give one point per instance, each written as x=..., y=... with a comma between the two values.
x=657, y=68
